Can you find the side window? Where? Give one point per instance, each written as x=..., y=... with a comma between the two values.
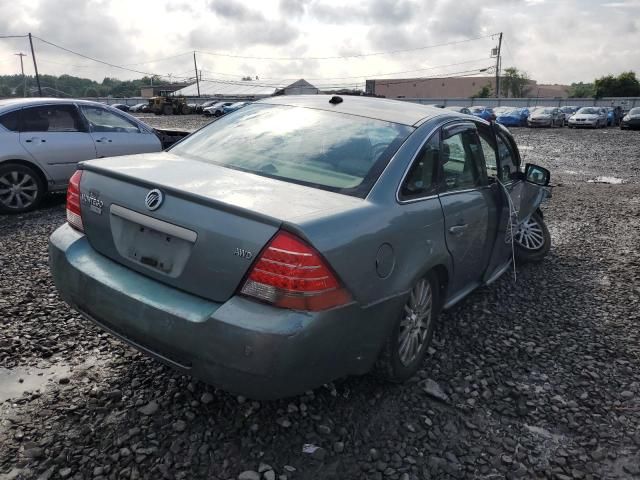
x=421, y=178
x=10, y=120
x=488, y=150
x=461, y=159
x=508, y=159
x=102, y=120
x=51, y=118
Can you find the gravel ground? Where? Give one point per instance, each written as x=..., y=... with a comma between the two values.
x=534, y=379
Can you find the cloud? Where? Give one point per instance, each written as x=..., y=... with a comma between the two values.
x=293, y=8
x=234, y=10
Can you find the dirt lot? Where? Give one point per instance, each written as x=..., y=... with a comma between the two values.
x=540, y=378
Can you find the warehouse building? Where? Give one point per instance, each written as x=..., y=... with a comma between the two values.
x=452, y=87
x=246, y=89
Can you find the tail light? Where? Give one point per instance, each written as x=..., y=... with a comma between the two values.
x=289, y=273
x=74, y=216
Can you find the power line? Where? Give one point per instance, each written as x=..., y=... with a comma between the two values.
x=158, y=59
x=360, y=55
x=14, y=36
x=96, y=60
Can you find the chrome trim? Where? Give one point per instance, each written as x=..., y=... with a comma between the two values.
x=406, y=170
x=466, y=190
x=459, y=121
x=154, y=223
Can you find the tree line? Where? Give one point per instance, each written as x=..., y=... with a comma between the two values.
x=70, y=86
x=517, y=84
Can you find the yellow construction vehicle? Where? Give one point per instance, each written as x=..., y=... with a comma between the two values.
x=169, y=105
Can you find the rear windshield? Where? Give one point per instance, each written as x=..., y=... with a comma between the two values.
x=634, y=111
x=332, y=151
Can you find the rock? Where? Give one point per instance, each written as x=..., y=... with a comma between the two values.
x=149, y=409
x=338, y=447
x=65, y=472
x=323, y=429
x=35, y=453
x=180, y=425
x=63, y=380
x=432, y=388
x=249, y=475
x=269, y=475
x=283, y=422
x=263, y=467
x=206, y=398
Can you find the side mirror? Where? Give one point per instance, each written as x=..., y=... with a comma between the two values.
x=537, y=175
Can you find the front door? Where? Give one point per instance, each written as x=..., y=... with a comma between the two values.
x=115, y=135
x=56, y=138
x=467, y=204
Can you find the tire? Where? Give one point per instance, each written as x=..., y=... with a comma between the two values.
x=395, y=363
x=217, y=113
x=532, y=241
x=21, y=188
x=167, y=110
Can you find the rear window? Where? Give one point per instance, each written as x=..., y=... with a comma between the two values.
x=332, y=151
x=10, y=121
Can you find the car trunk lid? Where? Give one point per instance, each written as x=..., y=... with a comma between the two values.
x=209, y=225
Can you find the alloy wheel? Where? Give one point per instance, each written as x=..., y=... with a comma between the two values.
x=18, y=190
x=415, y=323
x=530, y=235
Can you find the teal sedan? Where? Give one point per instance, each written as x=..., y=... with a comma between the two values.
x=298, y=239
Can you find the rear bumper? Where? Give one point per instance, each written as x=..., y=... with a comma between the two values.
x=241, y=346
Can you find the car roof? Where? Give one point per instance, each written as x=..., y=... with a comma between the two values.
x=10, y=103
x=395, y=111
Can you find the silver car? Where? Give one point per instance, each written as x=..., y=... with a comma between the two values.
x=43, y=139
x=298, y=239
x=546, y=117
x=593, y=117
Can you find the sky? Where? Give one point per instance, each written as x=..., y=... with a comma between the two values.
x=554, y=41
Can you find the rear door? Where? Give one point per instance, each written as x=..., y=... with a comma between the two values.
x=116, y=135
x=468, y=207
x=56, y=137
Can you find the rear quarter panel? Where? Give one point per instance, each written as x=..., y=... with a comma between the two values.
x=360, y=242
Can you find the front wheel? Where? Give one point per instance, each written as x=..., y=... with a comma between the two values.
x=406, y=348
x=532, y=240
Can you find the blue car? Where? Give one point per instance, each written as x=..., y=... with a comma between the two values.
x=611, y=117
x=485, y=113
x=516, y=117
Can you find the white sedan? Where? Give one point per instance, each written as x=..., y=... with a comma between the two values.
x=42, y=140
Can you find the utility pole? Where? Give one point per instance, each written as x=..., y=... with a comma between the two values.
x=24, y=79
x=498, y=66
x=195, y=65
x=35, y=65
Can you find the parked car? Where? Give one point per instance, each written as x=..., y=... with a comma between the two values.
x=592, y=117
x=567, y=111
x=546, y=117
x=631, y=120
x=485, y=113
x=500, y=110
x=43, y=139
x=516, y=117
x=233, y=107
x=121, y=106
x=216, y=110
x=138, y=107
x=464, y=110
x=284, y=245
x=200, y=108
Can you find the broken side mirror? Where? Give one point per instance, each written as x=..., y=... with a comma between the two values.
x=537, y=175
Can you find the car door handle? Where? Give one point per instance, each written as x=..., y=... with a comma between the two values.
x=35, y=139
x=458, y=229
x=103, y=140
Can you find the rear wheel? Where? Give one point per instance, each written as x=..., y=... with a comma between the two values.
x=406, y=348
x=21, y=188
x=532, y=240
